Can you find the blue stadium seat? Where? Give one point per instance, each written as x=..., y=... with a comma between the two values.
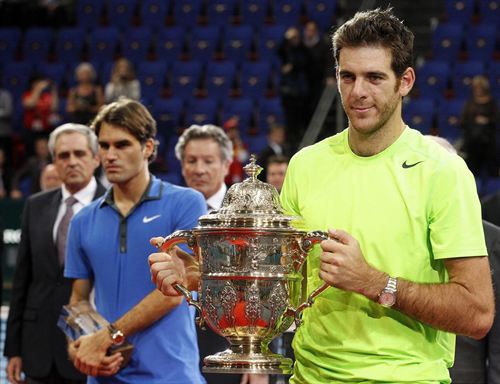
x=448, y=116
x=270, y=38
x=69, y=45
x=152, y=76
x=16, y=77
x=462, y=75
x=254, y=12
x=220, y=79
x=447, y=41
x=88, y=13
x=419, y=114
x=185, y=78
x=237, y=42
x=270, y=111
x=121, y=13
x=480, y=41
x=153, y=13
x=136, y=43
x=36, y=43
x=459, y=11
x=54, y=71
x=287, y=12
x=170, y=43
x=201, y=111
x=494, y=77
x=322, y=12
x=103, y=44
x=489, y=10
x=220, y=12
x=204, y=41
x=255, y=78
x=187, y=12
x=243, y=109
x=9, y=43
x=167, y=113
x=432, y=79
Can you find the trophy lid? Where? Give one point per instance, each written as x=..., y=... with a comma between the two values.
x=251, y=203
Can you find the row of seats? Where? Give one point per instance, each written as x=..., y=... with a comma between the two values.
x=437, y=79
x=463, y=11
x=157, y=13
x=452, y=40
x=72, y=45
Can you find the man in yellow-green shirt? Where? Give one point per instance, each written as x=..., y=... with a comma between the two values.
x=406, y=261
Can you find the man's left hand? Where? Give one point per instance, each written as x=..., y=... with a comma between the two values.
x=91, y=358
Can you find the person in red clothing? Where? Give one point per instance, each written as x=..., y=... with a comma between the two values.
x=240, y=152
x=40, y=104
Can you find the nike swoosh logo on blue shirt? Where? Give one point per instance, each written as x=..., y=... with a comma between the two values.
x=146, y=219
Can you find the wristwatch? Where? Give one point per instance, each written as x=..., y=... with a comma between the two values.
x=387, y=297
x=117, y=336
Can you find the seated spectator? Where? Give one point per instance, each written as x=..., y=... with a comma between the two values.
x=40, y=103
x=123, y=82
x=85, y=98
x=31, y=170
x=276, y=145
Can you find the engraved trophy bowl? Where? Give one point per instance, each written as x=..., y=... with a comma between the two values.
x=250, y=259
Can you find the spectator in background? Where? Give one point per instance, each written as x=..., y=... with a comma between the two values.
x=6, y=110
x=294, y=86
x=49, y=179
x=322, y=67
x=123, y=82
x=276, y=170
x=5, y=175
x=479, y=126
x=40, y=103
x=240, y=152
x=85, y=98
x=34, y=344
x=490, y=206
x=276, y=145
x=31, y=170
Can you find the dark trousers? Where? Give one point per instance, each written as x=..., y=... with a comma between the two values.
x=54, y=377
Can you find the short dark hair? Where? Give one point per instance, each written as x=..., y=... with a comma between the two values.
x=129, y=115
x=277, y=159
x=377, y=27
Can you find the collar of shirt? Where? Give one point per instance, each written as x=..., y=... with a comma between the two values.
x=215, y=201
x=276, y=148
x=153, y=191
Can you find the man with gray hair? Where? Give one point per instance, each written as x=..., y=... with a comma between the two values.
x=205, y=153
x=34, y=344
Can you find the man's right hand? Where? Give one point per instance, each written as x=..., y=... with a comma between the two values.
x=166, y=269
x=14, y=369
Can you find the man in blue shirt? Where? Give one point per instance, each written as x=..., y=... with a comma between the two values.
x=108, y=246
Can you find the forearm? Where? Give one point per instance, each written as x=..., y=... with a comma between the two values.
x=455, y=306
x=152, y=308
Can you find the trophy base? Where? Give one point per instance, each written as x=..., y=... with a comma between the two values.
x=264, y=363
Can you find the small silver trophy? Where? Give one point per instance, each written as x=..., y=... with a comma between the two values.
x=81, y=319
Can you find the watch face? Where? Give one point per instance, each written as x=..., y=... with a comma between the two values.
x=118, y=338
x=387, y=299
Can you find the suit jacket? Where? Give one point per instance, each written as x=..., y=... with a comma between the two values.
x=39, y=291
x=471, y=355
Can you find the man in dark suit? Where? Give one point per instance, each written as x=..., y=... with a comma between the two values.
x=34, y=344
x=276, y=146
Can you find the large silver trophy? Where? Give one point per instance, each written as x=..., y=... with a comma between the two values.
x=250, y=260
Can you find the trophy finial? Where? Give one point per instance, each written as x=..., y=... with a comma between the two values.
x=252, y=169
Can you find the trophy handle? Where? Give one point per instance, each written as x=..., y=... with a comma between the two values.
x=309, y=240
x=168, y=243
